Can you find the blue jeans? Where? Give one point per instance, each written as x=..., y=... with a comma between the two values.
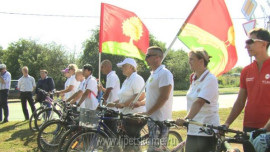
x=158, y=136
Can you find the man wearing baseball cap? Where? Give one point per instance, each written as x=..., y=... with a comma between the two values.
x=5, y=79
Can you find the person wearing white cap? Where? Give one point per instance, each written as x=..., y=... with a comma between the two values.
x=5, y=79
x=131, y=87
x=159, y=98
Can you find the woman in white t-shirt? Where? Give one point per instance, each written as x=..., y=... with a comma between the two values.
x=202, y=103
x=131, y=87
x=71, y=84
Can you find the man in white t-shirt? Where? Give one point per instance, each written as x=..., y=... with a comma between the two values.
x=159, y=98
x=112, y=83
x=91, y=90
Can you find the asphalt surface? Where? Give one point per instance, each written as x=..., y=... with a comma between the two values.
x=179, y=104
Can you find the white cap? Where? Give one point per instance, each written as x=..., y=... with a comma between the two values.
x=128, y=61
x=2, y=66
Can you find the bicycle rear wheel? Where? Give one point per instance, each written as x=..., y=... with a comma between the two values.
x=90, y=140
x=50, y=134
x=46, y=115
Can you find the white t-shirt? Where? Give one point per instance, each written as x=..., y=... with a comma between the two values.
x=81, y=88
x=161, y=77
x=114, y=83
x=205, y=87
x=67, y=95
x=131, y=86
x=75, y=83
x=91, y=102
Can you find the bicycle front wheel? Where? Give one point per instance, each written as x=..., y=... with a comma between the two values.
x=90, y=140
x=175, y=142
x=50, y=134
x=67, y=136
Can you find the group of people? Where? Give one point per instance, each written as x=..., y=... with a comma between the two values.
x=81, y=88
x=27, y=86
x=253, y=97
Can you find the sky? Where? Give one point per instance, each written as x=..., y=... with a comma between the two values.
x=162, y=18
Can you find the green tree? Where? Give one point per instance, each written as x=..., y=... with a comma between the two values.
x=177, y=63
x=51, y=57
x=1, y=54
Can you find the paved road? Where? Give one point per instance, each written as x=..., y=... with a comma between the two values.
x=225, y=101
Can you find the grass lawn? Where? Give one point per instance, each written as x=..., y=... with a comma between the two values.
x=233, y=90
x=16, y=136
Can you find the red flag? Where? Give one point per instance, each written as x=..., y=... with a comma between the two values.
x=209, y=26
x=122, y=33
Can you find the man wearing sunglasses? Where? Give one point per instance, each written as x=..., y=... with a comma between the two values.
x=254, y=93
x=159, y=98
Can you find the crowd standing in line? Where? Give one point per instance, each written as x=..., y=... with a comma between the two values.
x=5, y=79
x=81, y=88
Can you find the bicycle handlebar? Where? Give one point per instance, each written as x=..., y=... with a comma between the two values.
x=219, y=128
x=45, y=92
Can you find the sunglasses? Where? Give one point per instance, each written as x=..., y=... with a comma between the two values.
x=149, y=55
x=251, y=41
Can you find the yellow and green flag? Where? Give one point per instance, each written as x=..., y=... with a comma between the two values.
x=209, y=26
x=122, y=33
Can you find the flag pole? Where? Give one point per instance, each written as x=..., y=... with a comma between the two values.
x=149, y=78
x=99, y=66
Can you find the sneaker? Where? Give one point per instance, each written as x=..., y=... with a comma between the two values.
x=5, y=120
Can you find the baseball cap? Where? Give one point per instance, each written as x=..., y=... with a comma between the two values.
x=65, y=70
x=2, y=66
x=128, y=61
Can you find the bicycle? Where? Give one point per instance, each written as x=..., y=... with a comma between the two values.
x=223, y=141
x=48, y=113
x=76, y=128
x=43, y=105
x=102, y=138
x=52, y=131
